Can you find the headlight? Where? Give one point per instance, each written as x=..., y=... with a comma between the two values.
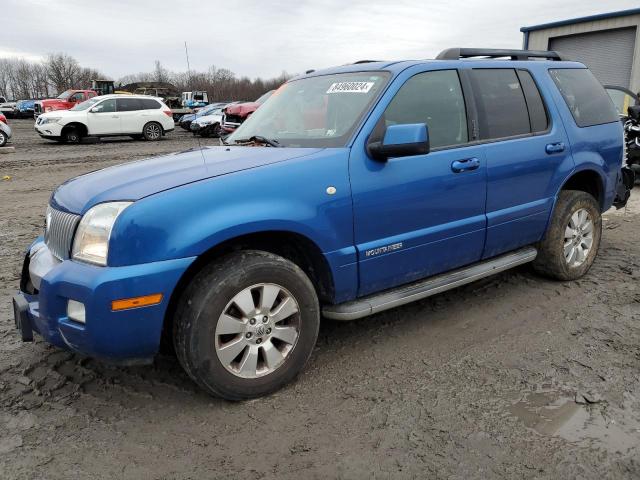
x=49, y=120
x=204, y=123
x=91, y=242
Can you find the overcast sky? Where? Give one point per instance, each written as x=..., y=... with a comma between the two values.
x=265, y=37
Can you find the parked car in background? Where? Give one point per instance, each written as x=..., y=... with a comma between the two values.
x=235, y=114
x=136, y=116
x=64, y=101
x=24, y=108
x=185, y=120
x=5, y=130
x=8, y=109
x=352, y=191
x=208, y=125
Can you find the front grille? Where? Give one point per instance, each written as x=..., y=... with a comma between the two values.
x=232, y=119
x=59, y=231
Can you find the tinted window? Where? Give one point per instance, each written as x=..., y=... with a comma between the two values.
x=128, y=104
x=535, y=105
x=585, y=97
x=149, y=104
x=502, y=109
x=434, y=98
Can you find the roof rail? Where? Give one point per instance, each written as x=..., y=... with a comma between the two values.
x=458, y=53
x=365, y=61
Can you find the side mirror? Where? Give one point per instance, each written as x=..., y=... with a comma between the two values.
x=95, y=110
x=401, y=141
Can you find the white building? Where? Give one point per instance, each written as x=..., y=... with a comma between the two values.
x=608, y=43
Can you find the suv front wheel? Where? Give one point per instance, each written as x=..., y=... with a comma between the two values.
x=571, y=242
x=246, y=325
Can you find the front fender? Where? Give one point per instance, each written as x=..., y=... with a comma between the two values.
x=288, y=196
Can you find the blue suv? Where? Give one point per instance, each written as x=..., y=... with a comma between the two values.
x=352, y=190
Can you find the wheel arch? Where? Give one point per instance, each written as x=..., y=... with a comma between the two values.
x=84, y=130
x=291, y=245
x=588, y=180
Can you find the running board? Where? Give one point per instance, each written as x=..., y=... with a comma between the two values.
x=395, y=297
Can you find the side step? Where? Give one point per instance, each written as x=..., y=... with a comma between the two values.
x=402, y=295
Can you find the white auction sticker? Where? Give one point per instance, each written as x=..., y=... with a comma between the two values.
x=350, y=87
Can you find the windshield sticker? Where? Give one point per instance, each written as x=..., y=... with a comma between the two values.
x=350, y=87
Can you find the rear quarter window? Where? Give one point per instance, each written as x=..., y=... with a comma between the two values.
x=149, y=104
x=584, y=95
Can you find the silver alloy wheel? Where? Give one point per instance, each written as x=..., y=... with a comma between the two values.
x=578, y=238
x=153, y=131
x=257, y=330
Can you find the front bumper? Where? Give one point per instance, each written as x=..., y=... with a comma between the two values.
x=48, y=130
x=130, y=336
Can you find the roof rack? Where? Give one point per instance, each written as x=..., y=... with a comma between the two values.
x=458, y=53
x=365, y=61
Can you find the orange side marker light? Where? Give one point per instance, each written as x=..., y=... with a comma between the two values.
x=135, y=302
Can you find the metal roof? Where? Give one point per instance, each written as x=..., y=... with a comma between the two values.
x=590, y=18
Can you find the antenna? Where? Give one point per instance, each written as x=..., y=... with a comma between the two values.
x=186, y=52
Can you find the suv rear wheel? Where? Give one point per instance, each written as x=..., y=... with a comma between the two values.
x=152, y=131
x=246, y=325
x=4, y=138
x=571, y=242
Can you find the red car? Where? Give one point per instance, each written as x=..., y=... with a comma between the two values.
x=235, y=114
x=64, y=101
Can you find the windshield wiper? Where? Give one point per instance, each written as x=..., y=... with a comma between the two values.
x=259, y=139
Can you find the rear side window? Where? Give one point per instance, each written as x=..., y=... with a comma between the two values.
x=434, y=98
x=586, y=98
x=149, y=104
x=128, y=104
x=502, y=109
x=535, y=105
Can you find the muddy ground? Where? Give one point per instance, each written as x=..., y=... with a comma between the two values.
x=511, y=377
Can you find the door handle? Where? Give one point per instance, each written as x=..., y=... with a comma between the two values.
x=459, y=166
x=115, y=116
x=552, y=148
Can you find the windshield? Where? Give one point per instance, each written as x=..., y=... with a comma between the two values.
x=264, y=97
x=65, y=95
x=314, y=112
x=85, y=105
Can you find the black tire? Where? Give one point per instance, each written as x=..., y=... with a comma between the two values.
x=207, y=297
x=217, y=130
x=72, y=135
x=4, y=138
x=152, y=131
x=551, y=260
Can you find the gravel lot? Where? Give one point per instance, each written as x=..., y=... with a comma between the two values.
x=511, y=377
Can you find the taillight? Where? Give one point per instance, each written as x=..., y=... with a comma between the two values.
x=168, y=113
x=3, y=119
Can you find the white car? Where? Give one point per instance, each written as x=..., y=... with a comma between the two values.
x=137, y=116
x=5, y=131
x=208, y=125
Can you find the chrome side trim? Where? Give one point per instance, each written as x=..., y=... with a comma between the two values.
x=402, y=295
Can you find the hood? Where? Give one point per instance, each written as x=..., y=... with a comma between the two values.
x=53, y=101
x=136, y=180
x=216, y=117
x=242, y=109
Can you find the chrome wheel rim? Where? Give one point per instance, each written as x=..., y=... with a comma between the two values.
x=153, y=131
x=257, y=330
x=578, y=238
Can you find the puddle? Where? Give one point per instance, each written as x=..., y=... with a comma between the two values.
x=557, y=414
